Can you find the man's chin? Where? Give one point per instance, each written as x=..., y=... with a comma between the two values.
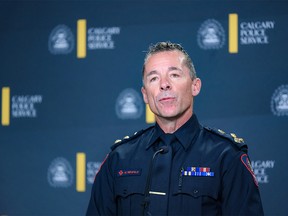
x=169, y=116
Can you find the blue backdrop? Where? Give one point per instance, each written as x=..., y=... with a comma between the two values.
x=70, y=78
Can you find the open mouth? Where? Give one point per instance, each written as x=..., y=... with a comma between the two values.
x=167, y=99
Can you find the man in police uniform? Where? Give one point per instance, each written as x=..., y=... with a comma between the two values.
x=176, y=167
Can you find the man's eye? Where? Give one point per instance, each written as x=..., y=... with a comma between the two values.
x=153, y=79
x=175, y=75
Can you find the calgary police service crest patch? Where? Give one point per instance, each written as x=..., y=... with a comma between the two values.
x=245, y=160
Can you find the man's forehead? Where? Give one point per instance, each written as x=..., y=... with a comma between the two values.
x=165, y=57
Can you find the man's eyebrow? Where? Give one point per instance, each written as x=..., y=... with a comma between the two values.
x=152, y=73
x=172, y=68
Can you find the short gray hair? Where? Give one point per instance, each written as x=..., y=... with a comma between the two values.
x=169, y=46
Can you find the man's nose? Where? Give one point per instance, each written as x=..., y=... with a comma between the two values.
x=165, y=85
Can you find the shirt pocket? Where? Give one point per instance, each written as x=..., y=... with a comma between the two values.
x=198, y=188
x=129, y=192
x=196, y=196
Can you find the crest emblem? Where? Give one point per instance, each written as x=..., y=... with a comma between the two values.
x=279, y=101
x=61, y=40
x=60, y=173
x=129, y=105
x=211, y=35
x=246, y=161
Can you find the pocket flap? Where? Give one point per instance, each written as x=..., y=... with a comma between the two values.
x=197, y=189
x=126, y=187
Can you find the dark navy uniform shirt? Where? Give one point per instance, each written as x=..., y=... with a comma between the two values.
x=208, y=174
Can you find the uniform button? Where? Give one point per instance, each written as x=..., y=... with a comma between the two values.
x=125, y=191
x=195, y=191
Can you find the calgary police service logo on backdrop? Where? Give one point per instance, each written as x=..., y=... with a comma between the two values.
x=261, y=169
x=211, y=35
x=279, y=101
x=61, y=40
x=92, y=169
x=129, y=105
x=60, y=173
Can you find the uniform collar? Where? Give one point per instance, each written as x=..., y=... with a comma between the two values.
x=157, y=132
x=186, y=134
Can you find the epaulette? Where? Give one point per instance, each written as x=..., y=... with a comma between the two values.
x=239, y=142
x=128, y=138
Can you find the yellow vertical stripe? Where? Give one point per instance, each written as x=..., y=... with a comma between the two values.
x=81, y=172
x=81, y=38
x=233, y=33
x=150, y=117
x=5, y=106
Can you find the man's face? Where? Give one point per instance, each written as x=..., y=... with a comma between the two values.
x=168, y=87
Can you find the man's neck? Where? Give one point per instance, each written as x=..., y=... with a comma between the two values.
x=170, y=125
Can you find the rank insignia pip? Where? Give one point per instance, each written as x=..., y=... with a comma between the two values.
x=237, y=139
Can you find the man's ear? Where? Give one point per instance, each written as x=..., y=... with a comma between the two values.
x=144, y=94
x=196, y=86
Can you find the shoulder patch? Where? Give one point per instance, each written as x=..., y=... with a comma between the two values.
x=125, y=139
x=239, y=142
x=246, y=161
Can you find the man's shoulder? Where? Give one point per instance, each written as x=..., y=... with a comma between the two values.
x=232, y=138
x=133, y=138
